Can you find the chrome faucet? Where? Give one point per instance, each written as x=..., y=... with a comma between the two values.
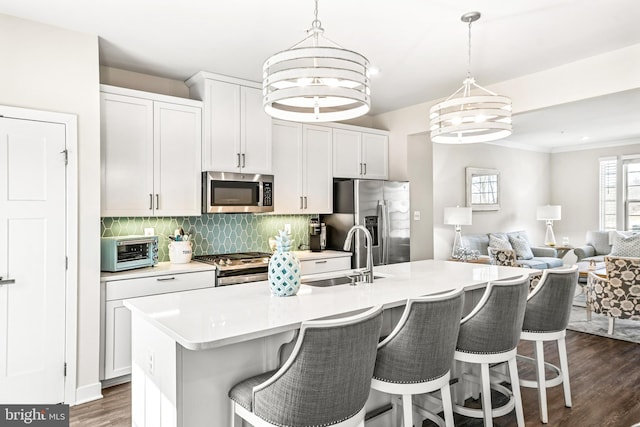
x=368, y=272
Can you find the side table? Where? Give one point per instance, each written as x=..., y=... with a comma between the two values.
x=562, y=249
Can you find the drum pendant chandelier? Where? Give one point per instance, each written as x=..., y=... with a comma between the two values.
x=465, y=118
x=318, y=83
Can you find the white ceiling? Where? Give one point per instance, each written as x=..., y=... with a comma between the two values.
x=420, y=46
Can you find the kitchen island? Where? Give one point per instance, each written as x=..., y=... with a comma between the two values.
x=189, y=348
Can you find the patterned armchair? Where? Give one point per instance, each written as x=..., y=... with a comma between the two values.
x=618, y=295
x=507, y=257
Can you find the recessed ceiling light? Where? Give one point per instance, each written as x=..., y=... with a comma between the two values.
x=373, y=70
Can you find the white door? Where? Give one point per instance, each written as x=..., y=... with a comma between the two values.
x=33, y=255
x=177, y=140
x=126, y=155
x=287, y=167
x=317, y=170
x=346, y=154
x=375, y=156
x=256, y=133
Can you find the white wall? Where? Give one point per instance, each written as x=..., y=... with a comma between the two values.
x=132, y=80
x=524, y=184
x=575, y=188
x=47, y=68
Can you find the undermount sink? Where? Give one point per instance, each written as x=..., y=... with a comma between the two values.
x=334, y=281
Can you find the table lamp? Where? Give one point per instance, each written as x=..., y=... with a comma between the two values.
x=457, y=217
x=549, y=213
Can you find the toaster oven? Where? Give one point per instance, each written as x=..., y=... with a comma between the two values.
x=119, y=253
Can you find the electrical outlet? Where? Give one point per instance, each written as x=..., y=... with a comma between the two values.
x=287, y=228
x=149, y=231
x=416, y=215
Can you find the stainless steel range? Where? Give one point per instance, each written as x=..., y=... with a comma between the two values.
x=236, y=268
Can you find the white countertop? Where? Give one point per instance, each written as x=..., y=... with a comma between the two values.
x=160, y=269
x=214, y=317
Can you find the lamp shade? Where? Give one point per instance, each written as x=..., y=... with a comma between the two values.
x=457, y=216
x=549, y=212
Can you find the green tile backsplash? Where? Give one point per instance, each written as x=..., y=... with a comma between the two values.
x=213, y=233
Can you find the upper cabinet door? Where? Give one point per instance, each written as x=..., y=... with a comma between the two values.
x=256, y=133
x=126, y=156
x=375, y=156
x=346, y=153
x=221, y=148
x=287, y=167
x=177, y=144
x=317, y=171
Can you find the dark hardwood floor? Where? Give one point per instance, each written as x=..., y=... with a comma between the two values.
x=605, y=386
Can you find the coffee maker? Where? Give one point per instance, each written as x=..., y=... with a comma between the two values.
x=317, y=235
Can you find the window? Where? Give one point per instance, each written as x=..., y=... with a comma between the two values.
x=608, y=205
x=620, y=193
x=632, y=194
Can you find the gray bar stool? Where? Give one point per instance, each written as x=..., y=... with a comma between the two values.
x=325, y=381
x=416, y=357
x=546, y=319
x=488, y=335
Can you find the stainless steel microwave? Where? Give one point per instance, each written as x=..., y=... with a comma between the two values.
x=121, y=253
x=224, y=192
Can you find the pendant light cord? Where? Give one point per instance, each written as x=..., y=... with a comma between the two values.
x=469, y=52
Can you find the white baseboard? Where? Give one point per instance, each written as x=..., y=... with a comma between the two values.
x=88, y=393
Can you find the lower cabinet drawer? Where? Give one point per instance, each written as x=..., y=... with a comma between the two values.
x=314, y=266
x=132, y=288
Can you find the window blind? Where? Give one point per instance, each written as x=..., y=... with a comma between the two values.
x=608, y=190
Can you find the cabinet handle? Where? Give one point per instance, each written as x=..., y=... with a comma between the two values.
x=238, y=165
x=6, y=281
x=150, y=201
x=301, y=205
x=165, y=279
x=365, y=168
x=321, y=262
x=157, y=201
x=305, y=202
x=243, y=160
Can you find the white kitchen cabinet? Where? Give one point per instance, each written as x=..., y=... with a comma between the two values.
x=325, y=265
x=302, y=168
x=149, y=154
x=237, y=131
x=116, y=319
x=360, y=154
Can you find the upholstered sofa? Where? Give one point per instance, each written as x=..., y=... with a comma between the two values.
x=536, y=257
x=601, y=243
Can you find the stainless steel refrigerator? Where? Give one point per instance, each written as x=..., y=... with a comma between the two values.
x=383, y=208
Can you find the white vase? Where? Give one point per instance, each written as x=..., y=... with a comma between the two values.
x=284, y=274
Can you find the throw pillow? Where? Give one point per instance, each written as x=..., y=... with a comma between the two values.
x=499, y=242
x=521, y=246
x=626, y=246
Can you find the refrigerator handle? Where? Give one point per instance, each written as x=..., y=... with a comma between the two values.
x=385, y=232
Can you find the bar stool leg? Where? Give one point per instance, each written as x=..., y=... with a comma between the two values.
x=407, y=409
x=515, y=388
x=486, y=395
x=542, y=385
x=447, y=405
x=564, y=367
